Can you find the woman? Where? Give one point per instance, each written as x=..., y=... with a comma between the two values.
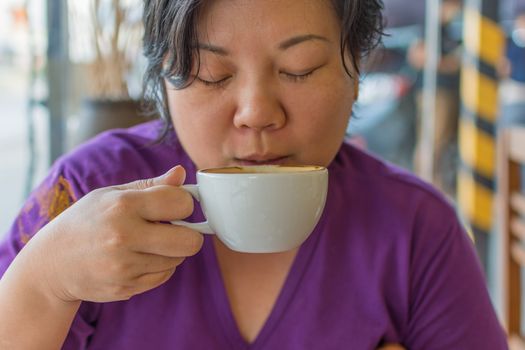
x=241, y=82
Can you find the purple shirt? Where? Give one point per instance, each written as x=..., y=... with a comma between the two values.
x=388, y=262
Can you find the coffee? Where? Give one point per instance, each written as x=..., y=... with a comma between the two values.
x=262, y=169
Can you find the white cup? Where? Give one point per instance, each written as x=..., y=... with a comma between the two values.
x=260, y=209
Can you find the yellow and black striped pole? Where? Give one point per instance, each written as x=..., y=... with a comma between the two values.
x=483, y=46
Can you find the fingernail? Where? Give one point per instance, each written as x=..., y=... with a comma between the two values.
x=173, y=170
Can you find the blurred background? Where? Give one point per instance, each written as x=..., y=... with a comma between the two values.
x=68, y=70
x=433, y=98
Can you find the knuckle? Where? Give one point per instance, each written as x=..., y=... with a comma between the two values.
x=116, y=239
x=144, y=184
x=122, y=202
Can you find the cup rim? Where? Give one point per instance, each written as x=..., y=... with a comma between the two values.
x=257, y=169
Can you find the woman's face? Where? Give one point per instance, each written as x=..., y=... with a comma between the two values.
x=271, y=87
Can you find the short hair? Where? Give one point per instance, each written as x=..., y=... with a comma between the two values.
x=170, y=42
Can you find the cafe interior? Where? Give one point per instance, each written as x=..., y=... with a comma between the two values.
x=448, y=89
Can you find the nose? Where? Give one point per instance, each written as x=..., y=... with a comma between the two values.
x=259, y=108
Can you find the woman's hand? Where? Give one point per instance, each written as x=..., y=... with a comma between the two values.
x=110, y=245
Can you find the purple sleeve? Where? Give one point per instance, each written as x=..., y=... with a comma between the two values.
x=54, y=195
x=450, y=305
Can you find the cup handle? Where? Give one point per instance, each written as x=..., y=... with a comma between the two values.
x=202, y=227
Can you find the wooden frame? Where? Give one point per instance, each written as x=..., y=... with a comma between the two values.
x=511, y=227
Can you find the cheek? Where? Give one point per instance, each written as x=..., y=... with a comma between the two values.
x=198, y=127
x=326, y=109
x=181, y=114
x=323, y=116
x=196, y=112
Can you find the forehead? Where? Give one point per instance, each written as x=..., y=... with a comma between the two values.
x=225, y=20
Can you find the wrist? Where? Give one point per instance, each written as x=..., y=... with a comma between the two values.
x=31, y=315
x=34, y=270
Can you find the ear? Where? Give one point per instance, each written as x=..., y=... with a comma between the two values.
x=355, y=77
x=349, y=63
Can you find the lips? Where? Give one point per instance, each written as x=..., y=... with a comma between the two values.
x=262, y=160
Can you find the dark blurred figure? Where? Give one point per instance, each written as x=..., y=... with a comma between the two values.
x=447, y=97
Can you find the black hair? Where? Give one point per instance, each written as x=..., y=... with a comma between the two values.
x=170, y=41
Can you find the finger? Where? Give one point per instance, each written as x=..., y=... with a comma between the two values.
x=160, y=203
x=173, y=177
x=391, y=347
x=166, y=240
x=151, y=263
x=149, y=281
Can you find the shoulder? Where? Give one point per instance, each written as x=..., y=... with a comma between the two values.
x=405, y=235
x=362, y=174
x=114, y=157
x=120, y=156
x=387, y=204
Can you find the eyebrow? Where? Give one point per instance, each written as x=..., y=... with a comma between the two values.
x=300, y=39
x=286, y=44
x=213, y=49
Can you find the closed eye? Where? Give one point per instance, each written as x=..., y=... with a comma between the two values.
x=298, y=77
x=213, y=83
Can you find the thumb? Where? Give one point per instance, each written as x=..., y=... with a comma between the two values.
x=173, y=177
